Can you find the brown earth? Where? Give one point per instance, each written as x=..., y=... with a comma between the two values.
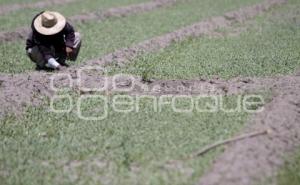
x=244, y=162
x=124, y=11
x=19, y=91
x=5, y=9
x=254, y=160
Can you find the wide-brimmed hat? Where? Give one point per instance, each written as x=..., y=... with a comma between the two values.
x=49, y=23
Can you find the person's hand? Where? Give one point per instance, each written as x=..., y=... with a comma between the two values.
x=69, y=51
x=29, y=50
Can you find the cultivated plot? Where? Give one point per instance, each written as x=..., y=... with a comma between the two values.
x=152, y=87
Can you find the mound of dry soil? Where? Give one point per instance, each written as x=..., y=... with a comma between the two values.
x=22, y=32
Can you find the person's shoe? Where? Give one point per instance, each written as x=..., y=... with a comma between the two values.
x=64, y=64
x=39, y=68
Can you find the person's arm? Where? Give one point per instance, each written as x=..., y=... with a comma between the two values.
x=41, y=43
x=69, y=35
x=44, y=49
x=32, y=41
x=29, y=41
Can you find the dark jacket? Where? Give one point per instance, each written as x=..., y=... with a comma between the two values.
x=59, y=41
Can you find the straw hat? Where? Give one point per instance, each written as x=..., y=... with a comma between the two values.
x=49, y=23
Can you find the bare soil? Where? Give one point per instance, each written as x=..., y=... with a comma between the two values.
x=18, y=34
x=21, y=90
x=245, y=162
x=254, y=160
x=124, y=11
x=5, y=9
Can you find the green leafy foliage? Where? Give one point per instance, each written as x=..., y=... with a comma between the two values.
x=268, y=46
x=144, y=147
x=100, y=38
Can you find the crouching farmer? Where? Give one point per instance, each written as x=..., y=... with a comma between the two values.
x=52, y=41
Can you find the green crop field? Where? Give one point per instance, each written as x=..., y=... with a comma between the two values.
x=8, y=2
x=118, y=33
x=47, y=143
x=78, y=136
x=266, y=46
x=20, y=18
x=290, y=173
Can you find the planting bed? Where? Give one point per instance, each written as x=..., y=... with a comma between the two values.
x=119, y=33
x=4, y=9
x=22, y=32
x=228, y=52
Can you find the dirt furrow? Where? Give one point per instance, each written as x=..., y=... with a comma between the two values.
x=252, y=161
x=5, y=9
x=208, y=26
x=243, y=163
x=18, y=91
x=211, y=87
x=124, y=11
x=22, y=32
